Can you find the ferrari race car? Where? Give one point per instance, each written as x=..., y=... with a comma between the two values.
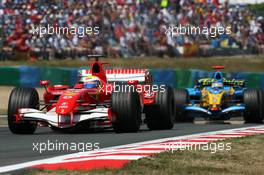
x=218, y=98
x=101, y=99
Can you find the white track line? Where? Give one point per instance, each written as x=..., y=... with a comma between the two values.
x=132, y=146
x=128, y=152
x=107, y=157
x=251, y=132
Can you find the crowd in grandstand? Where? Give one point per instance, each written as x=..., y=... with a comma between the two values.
x=128, y=28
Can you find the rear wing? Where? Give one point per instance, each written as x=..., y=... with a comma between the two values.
x=227, y=82
x=234, y=82
x=218, y=67
x=121, y=75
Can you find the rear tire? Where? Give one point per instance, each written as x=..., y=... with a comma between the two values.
x=181, y=99
x=127, y=109
x=253, y=100
x=161, y=115
x=22, y=98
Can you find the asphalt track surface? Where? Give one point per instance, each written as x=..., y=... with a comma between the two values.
x=19, y=148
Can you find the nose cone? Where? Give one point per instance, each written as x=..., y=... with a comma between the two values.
x=66, y=103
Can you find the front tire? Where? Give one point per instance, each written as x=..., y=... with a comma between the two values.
x=22, y=98
x=161, y=115
x=181, y=98
x=253, y=100
x=127, y=109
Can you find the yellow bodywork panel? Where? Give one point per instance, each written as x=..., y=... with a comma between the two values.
x=214, y=101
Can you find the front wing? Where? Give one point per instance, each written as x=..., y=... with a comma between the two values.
x=221, y=112
x=66, y=121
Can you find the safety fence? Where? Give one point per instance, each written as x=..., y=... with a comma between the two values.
x=179, y=78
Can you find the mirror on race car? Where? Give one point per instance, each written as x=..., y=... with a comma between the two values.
x=44, y=83
x=132, y=82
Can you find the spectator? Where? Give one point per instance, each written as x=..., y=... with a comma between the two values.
x=127, y=28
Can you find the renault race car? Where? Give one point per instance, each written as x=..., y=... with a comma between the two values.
x=113, y=98
x=218, y=98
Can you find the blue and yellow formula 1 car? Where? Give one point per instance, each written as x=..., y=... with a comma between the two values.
x=218, y=98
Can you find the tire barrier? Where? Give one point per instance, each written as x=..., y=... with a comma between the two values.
x=26, y=76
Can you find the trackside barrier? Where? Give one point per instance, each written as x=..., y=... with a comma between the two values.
x=29, y=76
x=57, y=75
x=164, y=76
x=9, y=76
x=179, y=78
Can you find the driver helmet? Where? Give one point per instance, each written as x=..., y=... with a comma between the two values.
x=217, y=85
x=90, y=82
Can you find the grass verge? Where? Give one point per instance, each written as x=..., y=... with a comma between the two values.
x=234, y=63
x=245, y=157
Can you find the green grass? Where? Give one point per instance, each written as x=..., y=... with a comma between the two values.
x=245, y=157
x=234, y=63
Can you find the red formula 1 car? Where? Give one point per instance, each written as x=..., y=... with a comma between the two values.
x=100, y=99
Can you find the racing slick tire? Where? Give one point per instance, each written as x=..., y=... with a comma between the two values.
x=253, y=100
x=22, y=98
x=127, y=109
x=261, y=105
x=161, y=115
x=181, y=98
